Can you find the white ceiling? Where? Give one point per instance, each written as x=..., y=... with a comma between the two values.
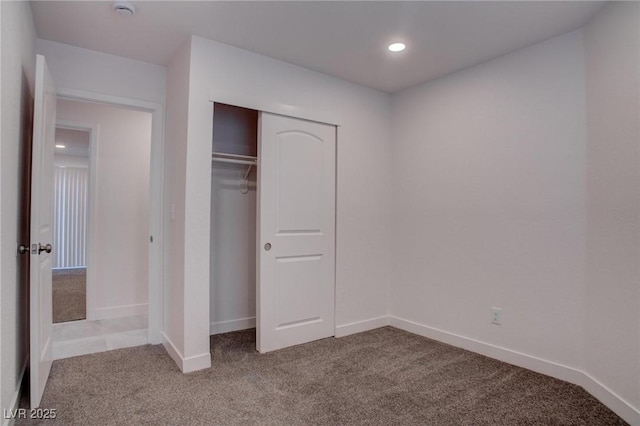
x=344, y=39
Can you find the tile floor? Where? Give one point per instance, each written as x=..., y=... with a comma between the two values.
x=87, y=337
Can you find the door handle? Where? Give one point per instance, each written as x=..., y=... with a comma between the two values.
x=46, y=248
x=22, y=249
x=267, y=246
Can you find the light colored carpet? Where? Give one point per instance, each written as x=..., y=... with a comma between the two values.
x=69, y=294
x=381, y=377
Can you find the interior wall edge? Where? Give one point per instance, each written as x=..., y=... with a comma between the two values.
x=196, y=363
x=172, y=350
x=188, y=364
x=175, y=131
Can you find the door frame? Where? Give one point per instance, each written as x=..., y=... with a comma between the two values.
x=274, y=106
x=90, y=247
x=156, y=197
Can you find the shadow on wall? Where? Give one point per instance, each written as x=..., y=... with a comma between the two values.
x=24, y=224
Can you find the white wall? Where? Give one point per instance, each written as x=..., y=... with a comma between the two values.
x=489, y=202
x=233, y=249
x=121, y=224
x=83, y=69
x=516, y=186
x=612, y=339
x=18, y=72
x=362, y=269
x=175, y=170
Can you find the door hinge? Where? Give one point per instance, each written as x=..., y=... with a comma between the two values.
x=151, y=239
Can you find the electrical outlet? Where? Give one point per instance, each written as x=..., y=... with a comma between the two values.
x=496, y=316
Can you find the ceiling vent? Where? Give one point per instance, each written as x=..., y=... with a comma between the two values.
x=125, y=8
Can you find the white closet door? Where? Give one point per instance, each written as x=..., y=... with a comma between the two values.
x=44, y=127
x=296, y=229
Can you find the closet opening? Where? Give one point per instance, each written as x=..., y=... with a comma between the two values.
x=233, y=219
x=272, y=227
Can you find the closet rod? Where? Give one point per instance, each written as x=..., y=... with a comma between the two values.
x=234, y=161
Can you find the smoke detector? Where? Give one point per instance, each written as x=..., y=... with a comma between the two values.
x=124, y=8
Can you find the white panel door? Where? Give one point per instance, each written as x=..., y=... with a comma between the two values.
x=44, y=125
x=296, y=230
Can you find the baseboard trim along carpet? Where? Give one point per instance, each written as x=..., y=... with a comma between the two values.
x=117, y=312
x=186, y=365
x=559, y=371
x=612, y=400
x=563, y=372
x=362, y=326
x=231, y=325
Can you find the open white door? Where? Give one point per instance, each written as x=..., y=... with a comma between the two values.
x=44, y=124
x=296, y=230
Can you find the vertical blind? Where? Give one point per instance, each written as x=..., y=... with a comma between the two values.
x=70, y=186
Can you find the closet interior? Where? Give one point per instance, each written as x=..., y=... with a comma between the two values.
x=233, y=219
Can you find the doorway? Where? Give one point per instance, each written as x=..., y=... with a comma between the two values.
x=39, y=211
x=101, y=220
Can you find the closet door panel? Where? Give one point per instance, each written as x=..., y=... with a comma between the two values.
x=299, y=192
x=296, y=228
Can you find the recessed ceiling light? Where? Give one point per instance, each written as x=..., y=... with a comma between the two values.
x=397, y=47
x=59, y=145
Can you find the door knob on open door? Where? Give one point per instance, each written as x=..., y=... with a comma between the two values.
x=46, y=248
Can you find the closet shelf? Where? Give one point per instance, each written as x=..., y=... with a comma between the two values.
x=222, y=157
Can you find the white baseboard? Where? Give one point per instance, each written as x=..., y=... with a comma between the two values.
x=171, y=349
x=231, y=325
x=197, y=362
x=117, y=312
x=563, y=372
x=609, y=398
x=186, y=365
x=360, y=326
x=15, y=400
